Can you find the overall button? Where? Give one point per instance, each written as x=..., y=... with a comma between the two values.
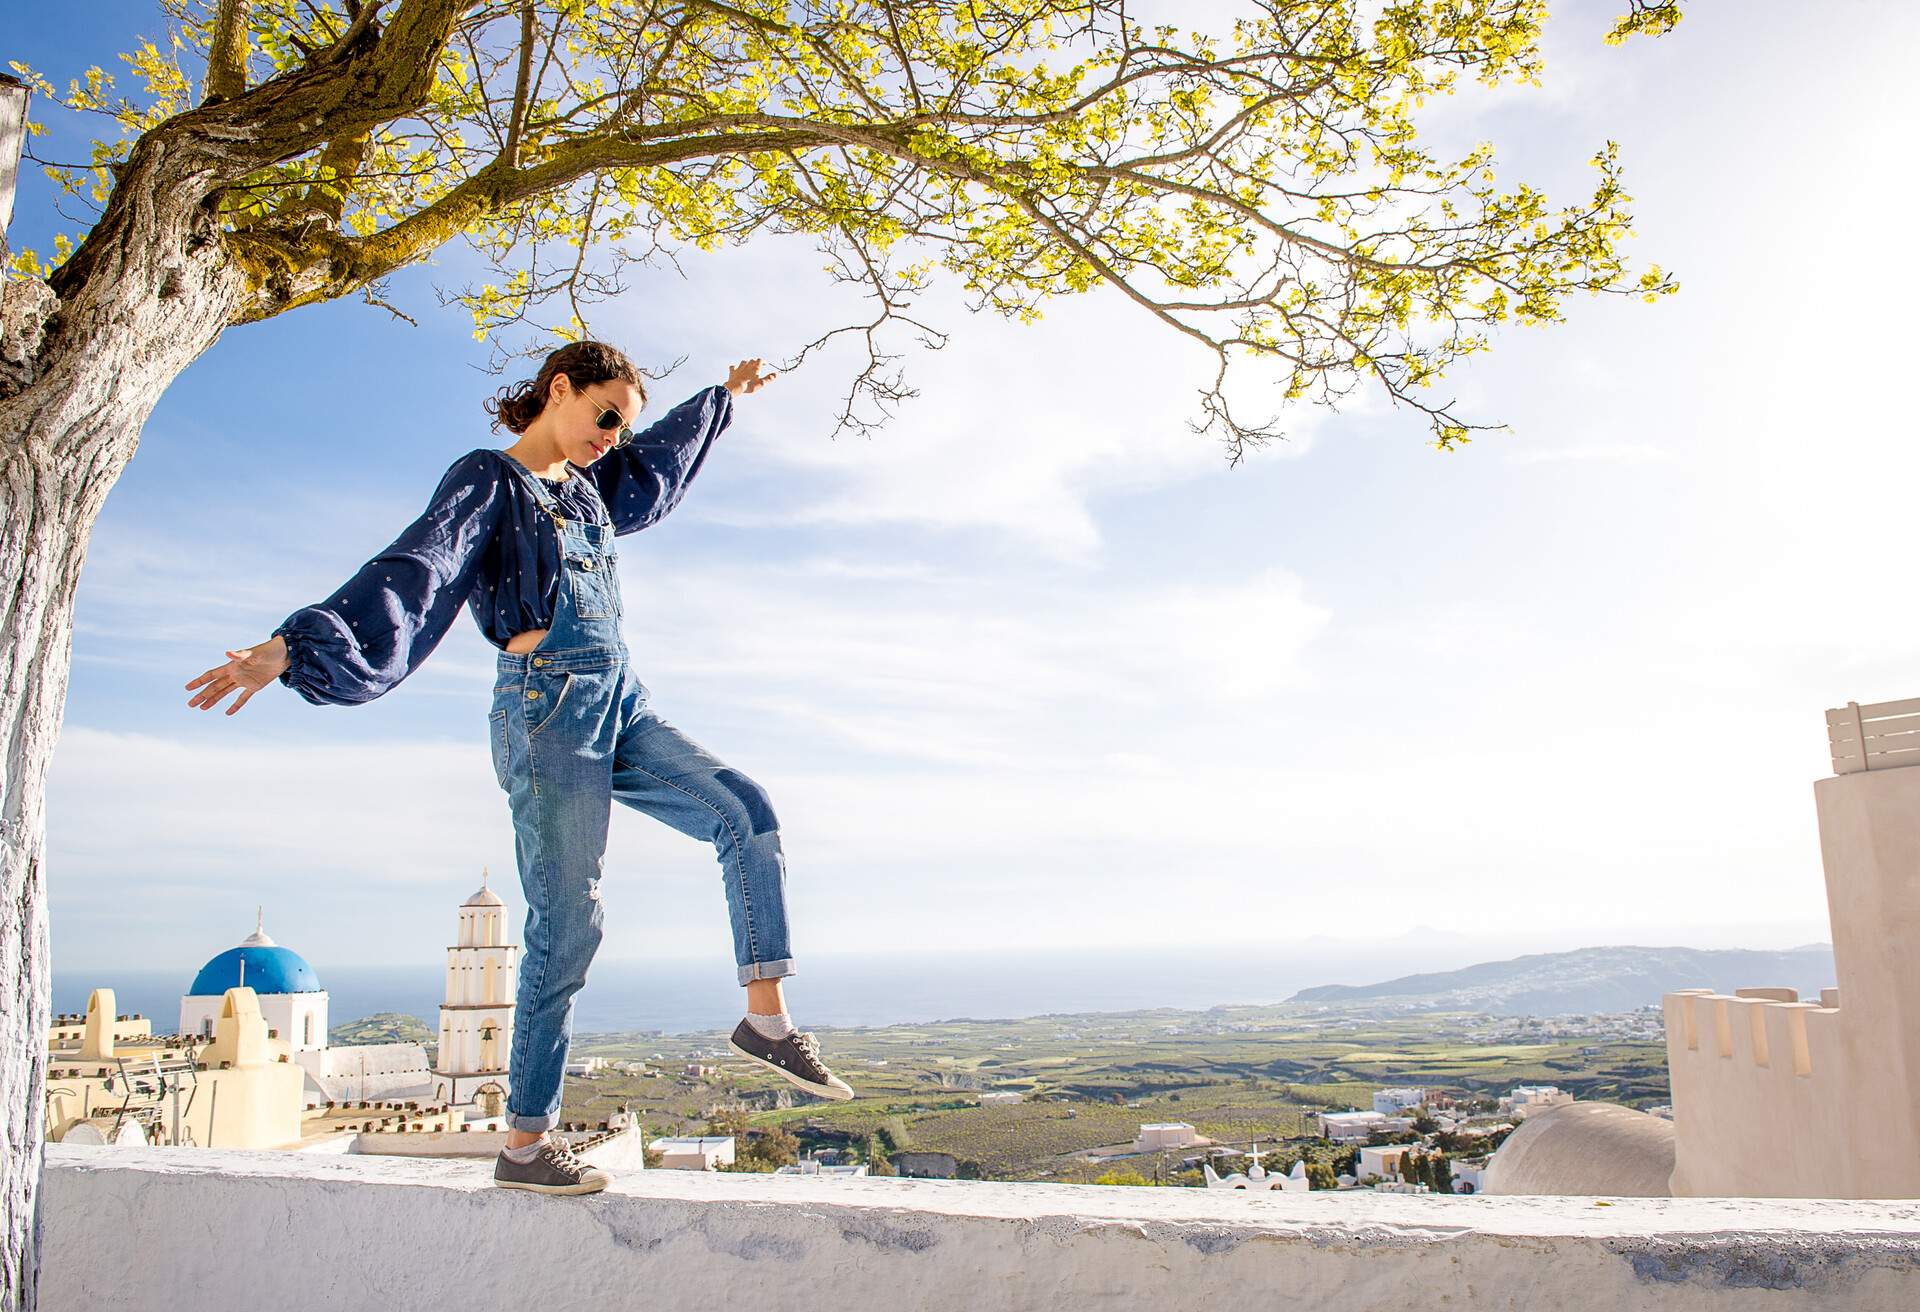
x=540, y=660
x=587, y=563
x=533, y=694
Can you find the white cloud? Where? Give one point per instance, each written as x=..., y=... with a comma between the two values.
x=968, y=668
x=1618, y=453
x=1015, y=436
x=360, y=854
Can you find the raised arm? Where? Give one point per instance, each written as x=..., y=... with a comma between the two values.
x=376, y=629
x=645, y=479
x=642, y=481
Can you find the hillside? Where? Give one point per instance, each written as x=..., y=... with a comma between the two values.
x=1608, y=979
x=386, y=1027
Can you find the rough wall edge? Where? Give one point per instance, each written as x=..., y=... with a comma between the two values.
x=1369, y=1216
x=1365, y=1217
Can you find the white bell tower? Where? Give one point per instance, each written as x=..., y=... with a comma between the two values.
x=476, y=1020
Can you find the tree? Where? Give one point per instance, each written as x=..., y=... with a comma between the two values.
x=728, y=1122
x=877, y=1163
x=1264, y=194
x=772, y=1147
x=1441, y=1174
x=1321, y=1176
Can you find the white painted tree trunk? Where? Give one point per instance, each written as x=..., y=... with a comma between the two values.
x=73, y=399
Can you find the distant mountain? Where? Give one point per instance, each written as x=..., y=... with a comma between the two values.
x=1591, y=979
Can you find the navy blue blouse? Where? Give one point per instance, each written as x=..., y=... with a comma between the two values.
x=485, y=542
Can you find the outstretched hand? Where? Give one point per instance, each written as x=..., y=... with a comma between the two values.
x=247, y=671
x=747, y=377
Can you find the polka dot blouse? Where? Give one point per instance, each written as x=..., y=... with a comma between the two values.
x=484, y=542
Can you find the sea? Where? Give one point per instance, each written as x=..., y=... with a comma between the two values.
x=679, y=997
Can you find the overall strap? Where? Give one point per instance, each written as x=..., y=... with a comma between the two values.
x=542, y=494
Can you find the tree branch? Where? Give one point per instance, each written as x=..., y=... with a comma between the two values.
x=332, y=265
x=227, y=60
x=517, y=122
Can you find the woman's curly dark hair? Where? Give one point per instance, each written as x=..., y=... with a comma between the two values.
x=582, y=362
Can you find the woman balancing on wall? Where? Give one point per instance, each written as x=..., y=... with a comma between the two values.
x=524, y=538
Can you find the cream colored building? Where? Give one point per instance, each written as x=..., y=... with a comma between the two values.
x=476, y=1020
x=705, y=1152
x=253, y=1069
x=1387, y=1160
x=237, y=1088
x=808, y=1166
x=1391, y=1102
x=1164, y=1134
x=1774, y=1096
x=1351, y=1127
x=1526, y=1099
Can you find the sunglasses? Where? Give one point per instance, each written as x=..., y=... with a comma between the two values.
x=608, y=420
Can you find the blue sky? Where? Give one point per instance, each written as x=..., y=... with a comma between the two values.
x=1034, y=665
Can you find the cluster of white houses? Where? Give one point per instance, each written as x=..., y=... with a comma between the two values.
x=250, y=1065
x=476, y=1020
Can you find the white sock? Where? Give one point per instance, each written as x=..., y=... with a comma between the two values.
x=775, y=1027
x=524, y=1154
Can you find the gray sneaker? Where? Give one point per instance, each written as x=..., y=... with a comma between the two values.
x=553, y=1170
x=797, y=1057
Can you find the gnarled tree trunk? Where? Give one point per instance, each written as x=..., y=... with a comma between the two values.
x=83, y=360
x=78, y=379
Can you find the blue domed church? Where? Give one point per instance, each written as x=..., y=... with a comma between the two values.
x=292, y=1000
x=294, y=1005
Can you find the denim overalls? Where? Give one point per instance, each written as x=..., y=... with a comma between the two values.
x=572, y=729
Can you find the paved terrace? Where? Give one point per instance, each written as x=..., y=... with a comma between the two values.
x=145, y=1228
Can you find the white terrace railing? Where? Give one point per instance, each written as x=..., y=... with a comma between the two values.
x=1878, y=736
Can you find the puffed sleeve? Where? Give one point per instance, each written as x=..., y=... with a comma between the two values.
x=376, y=629
x=642, y=481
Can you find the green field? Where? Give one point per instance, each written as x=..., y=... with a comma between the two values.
x=1235, y=1074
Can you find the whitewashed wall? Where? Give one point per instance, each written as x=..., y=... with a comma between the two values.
x=144, y=1228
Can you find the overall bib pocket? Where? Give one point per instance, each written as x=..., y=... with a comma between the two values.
x=594, y=595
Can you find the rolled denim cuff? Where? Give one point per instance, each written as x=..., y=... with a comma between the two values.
x=532, y=1124
x=766, y=970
